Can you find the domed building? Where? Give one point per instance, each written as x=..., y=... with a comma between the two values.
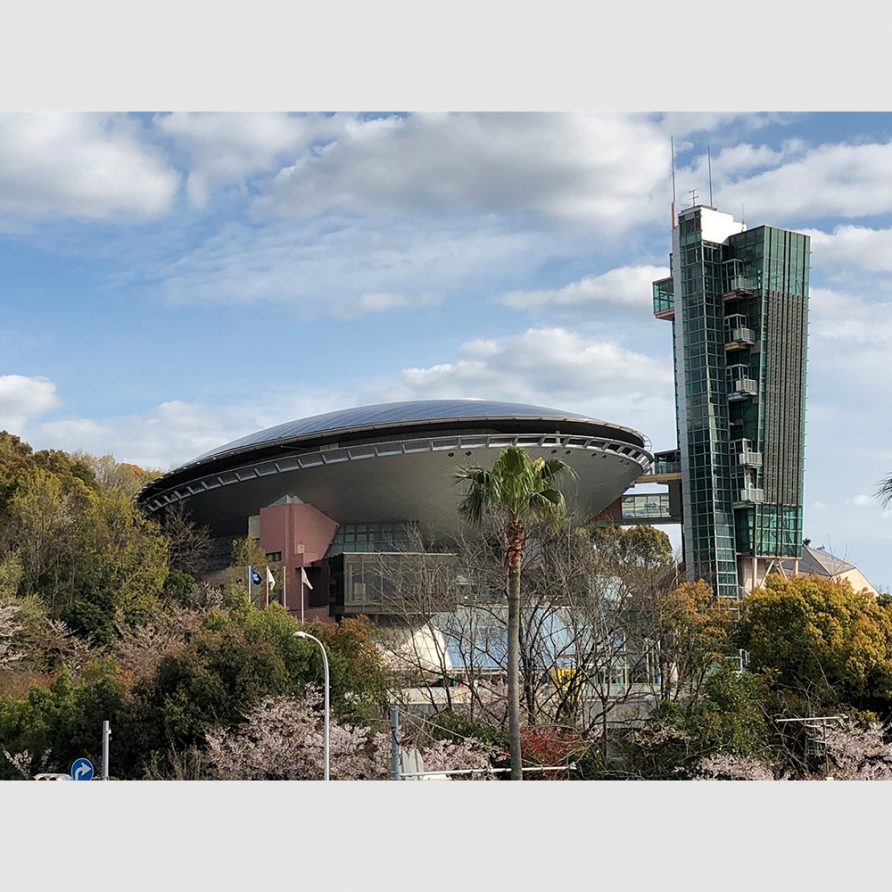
x=322, y=494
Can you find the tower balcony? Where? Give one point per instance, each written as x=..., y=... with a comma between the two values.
x=750, y=460
x=743, y=388
x=664, y=299
x=738, y=287
x=750, y=496
x=740, y=338
x=737, y=282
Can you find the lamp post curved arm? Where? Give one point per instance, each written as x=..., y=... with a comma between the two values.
x=300, y=634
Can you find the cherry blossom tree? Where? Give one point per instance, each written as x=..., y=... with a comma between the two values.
x=9, y=627
x=858, y=753
x=727, y=767
x=281, y=739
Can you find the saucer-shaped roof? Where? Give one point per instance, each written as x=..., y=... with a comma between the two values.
x=384, y=416
x=394, y=462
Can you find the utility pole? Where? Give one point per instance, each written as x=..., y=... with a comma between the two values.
x=106, y=734
x=395, y=743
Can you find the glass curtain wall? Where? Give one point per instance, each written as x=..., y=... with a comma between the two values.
x=712, y=548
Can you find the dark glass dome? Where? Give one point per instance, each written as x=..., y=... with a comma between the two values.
x=390, y=415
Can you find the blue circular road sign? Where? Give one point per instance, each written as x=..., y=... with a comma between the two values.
x=82, y=769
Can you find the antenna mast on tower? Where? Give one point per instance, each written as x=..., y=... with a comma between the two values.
x=672, y=150
x=709, y=170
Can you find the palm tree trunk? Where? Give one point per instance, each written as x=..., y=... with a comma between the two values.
x=515, y=556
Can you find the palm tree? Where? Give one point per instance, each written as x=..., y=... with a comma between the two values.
x=517, y=490
x=884, y=493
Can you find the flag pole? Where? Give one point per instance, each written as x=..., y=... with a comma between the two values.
x=267, y=586
x=249, y=583
x=284, y=586
x=301, y=594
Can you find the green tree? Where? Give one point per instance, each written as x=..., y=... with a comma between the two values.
x=213, y=680
x=18, y=462
x=640, y=546
x=117, y=569
x=42, y=527
x=111, y=474
x=820, y=641
x=730, y=718
x=57, y=724
x=84, y=548
x=234, y=661
x=516, y=491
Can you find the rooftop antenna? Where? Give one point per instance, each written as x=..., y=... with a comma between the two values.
x=672, y=150
x=694, y=197
x=709, y=169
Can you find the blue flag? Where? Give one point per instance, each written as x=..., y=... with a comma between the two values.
x=255, y=576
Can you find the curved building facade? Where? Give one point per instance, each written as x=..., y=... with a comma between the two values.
x=350, y=482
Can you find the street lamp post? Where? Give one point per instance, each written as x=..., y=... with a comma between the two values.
x=300, y=634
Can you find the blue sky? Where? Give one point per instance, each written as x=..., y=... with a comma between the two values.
x=174, y=281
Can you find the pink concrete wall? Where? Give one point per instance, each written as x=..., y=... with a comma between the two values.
x=614, y=512
x=302, y=533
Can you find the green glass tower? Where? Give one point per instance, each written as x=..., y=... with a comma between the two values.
x=738, y=302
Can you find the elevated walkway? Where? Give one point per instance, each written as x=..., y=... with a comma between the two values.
x=648, y=508
x=667, y=477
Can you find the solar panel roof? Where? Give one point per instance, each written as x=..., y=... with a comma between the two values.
x=392, y=415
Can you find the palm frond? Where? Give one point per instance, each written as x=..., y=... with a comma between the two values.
x=517, y=485
x=549, y=506
x=554, y=469
x=481, y=494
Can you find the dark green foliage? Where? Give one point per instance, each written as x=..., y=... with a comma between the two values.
x=359, y=680
x=459, y=727
x=235, y=661
x=730, y=718
x=73, y=547
x=178, y=587
x=213, y=681
x=64, y=719
x=93, y=619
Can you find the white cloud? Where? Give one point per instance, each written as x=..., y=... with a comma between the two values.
x=225, y=149
x=624, y=288
x=334, y=265
x=172, y=432
x=559, y=368
x=175, y=431
x=384, y=301
x=841, y=179
x=601, y=169
x=85, y=166
x=731, y=162
x=682, y=124
x=858, y=247
x=862, y=501
x=23, y=398
x=841, y=321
